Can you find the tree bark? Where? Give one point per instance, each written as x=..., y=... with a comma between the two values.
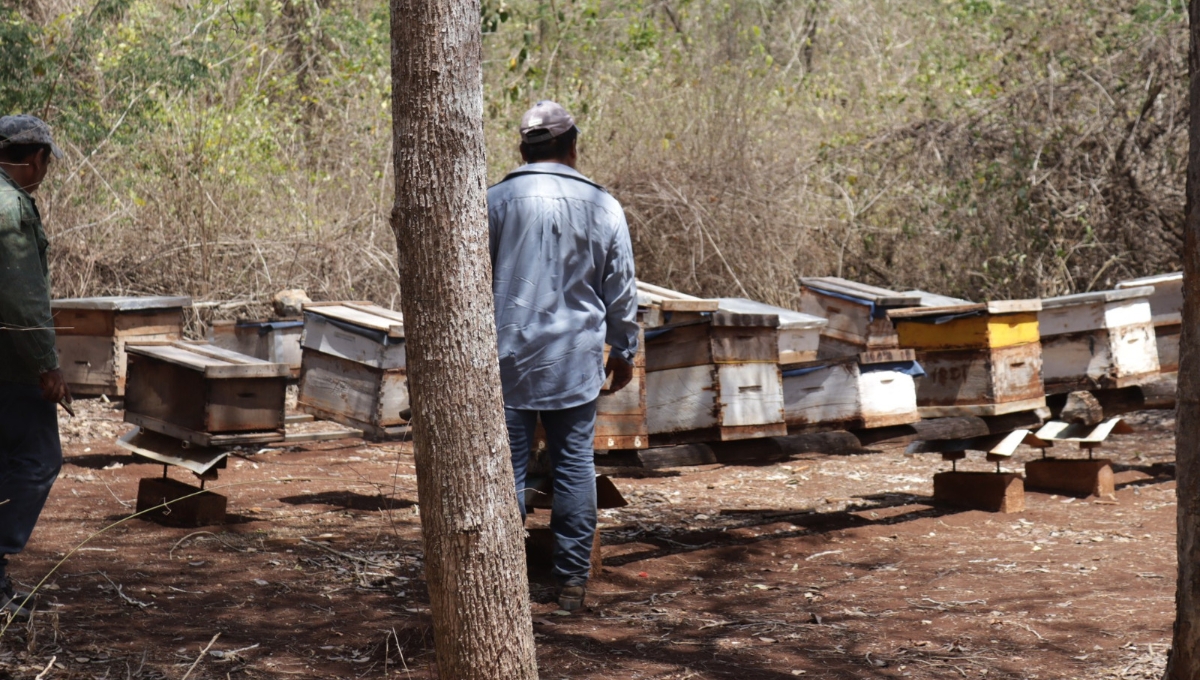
x=474, y=557
x=1184, y=661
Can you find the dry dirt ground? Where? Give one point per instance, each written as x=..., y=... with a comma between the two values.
x=818, y=567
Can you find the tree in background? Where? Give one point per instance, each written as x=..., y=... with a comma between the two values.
x=474, y=560
x=1184, y=662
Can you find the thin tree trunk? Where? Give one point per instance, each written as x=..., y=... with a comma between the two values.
x=474, y=559
x=1184, y=662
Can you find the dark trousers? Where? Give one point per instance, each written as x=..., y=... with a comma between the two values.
x=570, y=434
x=30, y=458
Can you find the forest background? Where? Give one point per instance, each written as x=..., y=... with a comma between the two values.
x=981, y=149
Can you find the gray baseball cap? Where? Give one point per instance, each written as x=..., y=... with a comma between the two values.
x=545, y=121
x=26, y=129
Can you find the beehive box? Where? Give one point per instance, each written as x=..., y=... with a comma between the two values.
x=1166, y=310
x=275, y=340
x=205, y=395
x=1098, y=340
x=715, y=379
x=873, y=389
x=621, y=416
x=353, y=367
x=91, y=335
x=979, y=359
x=799, y=333
x=856, y=312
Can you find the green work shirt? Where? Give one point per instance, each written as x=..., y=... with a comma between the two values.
x=26, y=323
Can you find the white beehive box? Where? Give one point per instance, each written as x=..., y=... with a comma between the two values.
x=1098, y=340
x=714, y=379
x=873, y=389
x=353, y=367
x=1166, y=309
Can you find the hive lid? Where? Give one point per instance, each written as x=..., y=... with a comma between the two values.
x=672, y=300
x=881, y=297
x=934, y=300
x=362, y=314
x=1173, y=277
x=788, y=319
x=212, y=361
x=994, y=307
x=123, y=303
x=1098, y=296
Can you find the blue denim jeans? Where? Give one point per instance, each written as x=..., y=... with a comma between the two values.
x=30, y=458
x=570, y=434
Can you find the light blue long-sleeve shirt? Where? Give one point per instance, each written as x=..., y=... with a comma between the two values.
x=563, y=285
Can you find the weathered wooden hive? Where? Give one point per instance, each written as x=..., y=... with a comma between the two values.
x=621, y=416
x=714, y=378
x=1166, y=310
x=1098, y=340
x=799, y=333
x=92, y=334
x=274, y=340
x=979, y=359
x=857, y=314
x=871, y=389
x=205, y=395
x=353, y=367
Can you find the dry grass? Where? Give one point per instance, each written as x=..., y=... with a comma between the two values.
x=970, y=148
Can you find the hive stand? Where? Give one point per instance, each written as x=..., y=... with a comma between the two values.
x=1072, y=476
x=997, y=491
x=169, y=501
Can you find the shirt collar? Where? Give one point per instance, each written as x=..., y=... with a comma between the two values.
x=12, y=183
x=551, y=169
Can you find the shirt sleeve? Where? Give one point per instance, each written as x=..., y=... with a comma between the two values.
x=25, y=294
x=620, y=295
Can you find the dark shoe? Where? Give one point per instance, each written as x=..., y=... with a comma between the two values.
x=570, y=598
x=11, y=601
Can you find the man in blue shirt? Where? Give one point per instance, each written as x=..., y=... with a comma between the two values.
x=563, y=286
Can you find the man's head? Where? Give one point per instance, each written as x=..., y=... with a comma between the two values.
x=548, y=135
x=26, y=148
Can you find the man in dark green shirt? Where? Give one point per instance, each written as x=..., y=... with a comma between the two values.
x=31, y=384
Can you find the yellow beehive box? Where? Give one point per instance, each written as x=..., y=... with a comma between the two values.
x=991, y=325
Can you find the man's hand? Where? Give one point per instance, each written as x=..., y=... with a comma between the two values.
x=54, y=387
x=621, y=372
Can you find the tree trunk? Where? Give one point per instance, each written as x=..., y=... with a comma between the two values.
x=474, y=558
x=1184, y=662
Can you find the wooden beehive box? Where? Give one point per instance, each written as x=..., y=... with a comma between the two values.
x=873, y=389
x=799, y=333
x=1098, y=340
x=91, y=335
x=621, y=416
x=857, y=314
x=275, y=340
x=715, y=379
x=205, y=395
x=1166, y=310
x=979, y=359
x=353, y=367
